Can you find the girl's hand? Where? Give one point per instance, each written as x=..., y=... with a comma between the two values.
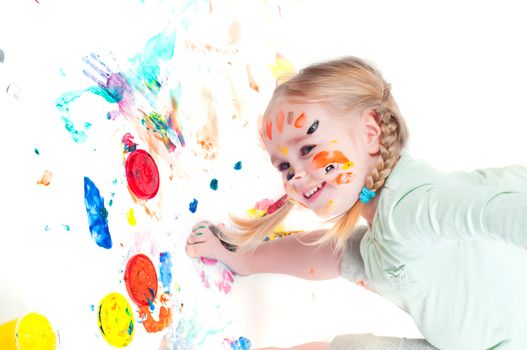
x=208, y=241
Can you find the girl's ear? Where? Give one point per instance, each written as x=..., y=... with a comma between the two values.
x=372, y=131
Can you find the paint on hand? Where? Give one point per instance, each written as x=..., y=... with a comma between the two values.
x=45, y=180
x=142, y=174
x=193, y=206
x=130, y=216
x=140, y=278
x=97, y=215
x=165, y=270
x=238, y=165
x=324, y=158
x=214, y=184
x=115, y=320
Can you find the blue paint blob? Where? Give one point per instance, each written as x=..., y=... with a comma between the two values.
x=238, y=165
x=193, y=206
x=165, y=270
x=97, y=215
x=214, y=184
x=241, y=344
x=92, y=307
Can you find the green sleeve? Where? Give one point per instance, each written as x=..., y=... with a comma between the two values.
x=453, y=210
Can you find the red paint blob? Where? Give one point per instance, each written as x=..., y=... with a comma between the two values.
x=142, y=174
x=140, y=278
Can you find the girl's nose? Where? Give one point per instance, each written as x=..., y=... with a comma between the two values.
x=298, y=175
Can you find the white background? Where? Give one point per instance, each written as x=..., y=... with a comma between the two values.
x=458, y=71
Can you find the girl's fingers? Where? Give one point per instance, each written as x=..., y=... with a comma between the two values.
x=191, y=240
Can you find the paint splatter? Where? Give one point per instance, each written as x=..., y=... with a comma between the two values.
x=97, y=215
x=128, y=144
x=193, y=206
x=45, y=180
x=142, y=174
x=130, y=217
x=214, y=184
x=165, y=270
x=238, y=165
x=241, y=343
x=37, y=151
x=115, y=320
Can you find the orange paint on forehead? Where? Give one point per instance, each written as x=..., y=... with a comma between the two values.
x=280, y=121
x=300, y=121
x=324, y=158
x=269, y=129
x=343, y=178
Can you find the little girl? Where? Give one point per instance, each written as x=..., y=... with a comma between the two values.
x=448, y=248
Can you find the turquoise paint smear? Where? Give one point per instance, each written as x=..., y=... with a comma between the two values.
x=165, y=270
x=97, y=215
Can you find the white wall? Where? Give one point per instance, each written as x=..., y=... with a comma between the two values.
x=457, y=70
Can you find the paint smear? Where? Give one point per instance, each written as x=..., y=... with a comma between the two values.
x=165, y=270
x=269, y=129
x=45, y=180
x=150, y=324
x=284, y=150
x=324, y=158
x=252, y=81
x=300, y=121
x=280, y=118
x=128, y=144
x=130, y=216
x=343, y=178
x=115, y=320
x=281, y=66
x=238, y=165
x=140, y=278
x=97, y=215
x=241, y=343
x=214, y=184
x=34, y=331
x=142, y=174
x=193, y=206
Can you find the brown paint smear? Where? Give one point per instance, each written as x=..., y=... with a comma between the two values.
x=208, y=135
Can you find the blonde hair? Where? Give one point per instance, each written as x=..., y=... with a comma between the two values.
x=346, y=84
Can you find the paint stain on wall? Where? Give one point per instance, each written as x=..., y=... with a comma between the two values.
x=97, y=215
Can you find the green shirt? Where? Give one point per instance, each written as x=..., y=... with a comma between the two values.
x=449, y=248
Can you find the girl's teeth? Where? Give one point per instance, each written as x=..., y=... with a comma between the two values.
x=312, y=191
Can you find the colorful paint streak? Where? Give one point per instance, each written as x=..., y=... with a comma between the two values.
x=115, y=320
x=140, y=278
x=165, y=270
x=97, y=215
x=324, y=158
x=142, y=174
x=193, y=206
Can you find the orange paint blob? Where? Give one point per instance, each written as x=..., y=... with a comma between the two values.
x=45, y=180
x=300, y=121
x=280, y=121
x=140, y=278
x=324, y=158
x=343, y=178
x=269, y=129
x=151, y=325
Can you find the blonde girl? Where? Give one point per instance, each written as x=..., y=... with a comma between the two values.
x=448, y=248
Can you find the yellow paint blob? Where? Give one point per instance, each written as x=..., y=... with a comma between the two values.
x=130, y=216
x=281, y=66
x=115, y=320
x=31, y=332
x=284, y=150
x=347, y=165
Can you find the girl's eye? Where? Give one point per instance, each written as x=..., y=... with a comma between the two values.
x=330, y=168
x=283, y=166
x=304, y=151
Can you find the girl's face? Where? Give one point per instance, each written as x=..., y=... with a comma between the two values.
x=324, y=159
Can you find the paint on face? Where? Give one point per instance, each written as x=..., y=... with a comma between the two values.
x=284, y=150
x=97, y=215
x=300, y=121
x=325, y=158
x=269, y=129
x=343, y=178
x=280, y=121
x=165, y=270
x=115, y=320
x=290, y=117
